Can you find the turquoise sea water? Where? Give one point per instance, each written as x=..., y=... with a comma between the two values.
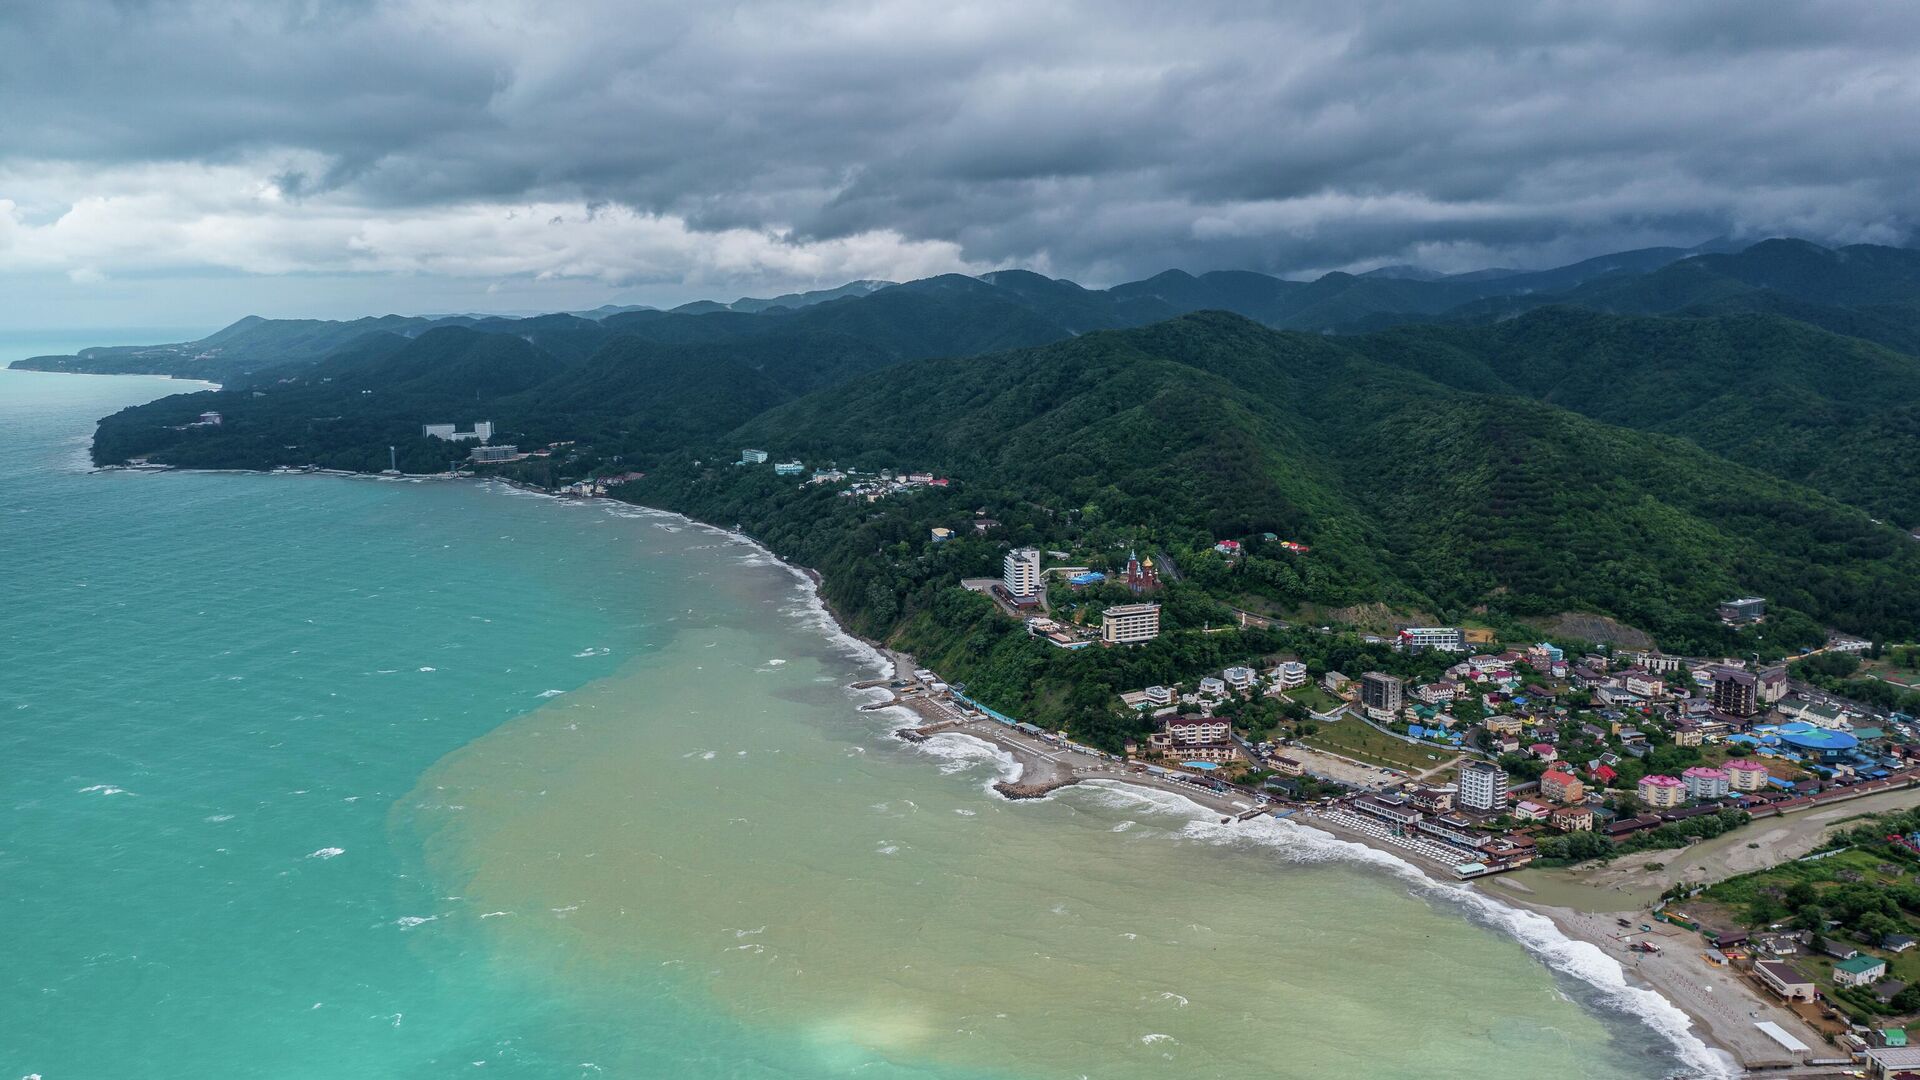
x=318, y=777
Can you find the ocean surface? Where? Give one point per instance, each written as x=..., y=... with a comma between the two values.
x=308, y=777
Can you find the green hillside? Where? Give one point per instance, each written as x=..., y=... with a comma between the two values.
x=1409, y=491
x=1839, y=414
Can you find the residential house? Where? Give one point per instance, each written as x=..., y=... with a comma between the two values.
x=1572, y=819
x=1861, y=970
x=1561, y=786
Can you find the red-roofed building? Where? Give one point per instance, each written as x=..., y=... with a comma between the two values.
x=1562, y=786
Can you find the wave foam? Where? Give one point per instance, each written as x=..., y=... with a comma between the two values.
x=1536, y=933
x=328, y=853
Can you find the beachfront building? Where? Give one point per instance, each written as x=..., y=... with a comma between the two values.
x=483, y=455
x=1746, y=774
x=1130, y=624
x=1785, y=979
x=1382, y=695
x=1020, y=572
x=1561, y=786
x=1197, y=738
x=1483, y=786
x=1735, y=692
x=1662, y=792
x=1705, y=783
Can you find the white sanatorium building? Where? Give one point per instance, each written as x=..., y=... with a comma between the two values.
x=482, y=432
x=1130, y=624
x=1020, y=573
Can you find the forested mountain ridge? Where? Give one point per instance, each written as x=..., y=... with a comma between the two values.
x=1565, y=460
x=945, y=315
x=1407, y=490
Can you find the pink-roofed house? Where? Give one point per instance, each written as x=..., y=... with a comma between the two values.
x=1662, y=792
x=1543, y=751
x=1746, y=774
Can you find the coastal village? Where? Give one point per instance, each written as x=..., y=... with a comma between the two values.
x=1510, y=756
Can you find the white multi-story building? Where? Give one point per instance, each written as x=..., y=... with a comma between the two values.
x=1020, y=572
x=1444, y=638
x=1288, y=674
x=1129, y=624
x=1158, y=695
x=482, y=432
x=1483, y=786
x=752, y=457
x=1239, y=678
x=1705, y=783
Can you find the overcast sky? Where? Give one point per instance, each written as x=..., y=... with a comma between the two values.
x=186, y=163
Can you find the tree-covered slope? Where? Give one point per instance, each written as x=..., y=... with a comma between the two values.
x=1837, y=413
x=1407, y=489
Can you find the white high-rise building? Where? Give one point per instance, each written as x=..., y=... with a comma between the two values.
x=1483, y=786
x=1020, y=573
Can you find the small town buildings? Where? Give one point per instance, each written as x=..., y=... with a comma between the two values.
x=1438, y=693
x=1662, y=792
x=1482, y=786
x=1382, y=695
x=1785, y=980
x=1643, y=683
x=1561, y=786
x=1735, y=691
x=1861, y=970
x=1432, y=800
x=1746, y=774
x=1572, y=819
x=1130, y=624
x=1287, y=766
x=1020, y=573
x=1228, y=547
x=1545, y=655
x=1529, y=810
x=1543, y=751
x=1773, y=685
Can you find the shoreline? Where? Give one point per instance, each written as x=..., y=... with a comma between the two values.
x=1721, y=1047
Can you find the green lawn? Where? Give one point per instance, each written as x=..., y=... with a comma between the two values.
x=1356, y=740
x=1313, y=698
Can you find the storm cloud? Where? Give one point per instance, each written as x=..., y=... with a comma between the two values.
x=666, y=151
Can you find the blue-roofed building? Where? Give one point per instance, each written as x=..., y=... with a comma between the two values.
x=1091, y=577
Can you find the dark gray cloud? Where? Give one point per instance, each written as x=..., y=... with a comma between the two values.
x=1094, y=140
